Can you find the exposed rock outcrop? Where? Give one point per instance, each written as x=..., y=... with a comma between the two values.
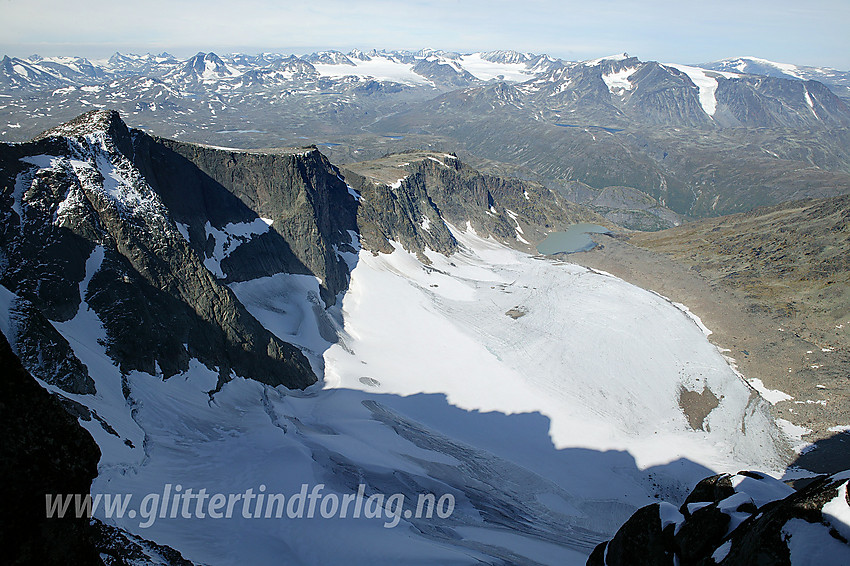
x=46, y=452
x=88, y=224
x=409, y=197
x=743, y=519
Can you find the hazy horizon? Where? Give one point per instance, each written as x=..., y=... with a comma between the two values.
x=785, y=31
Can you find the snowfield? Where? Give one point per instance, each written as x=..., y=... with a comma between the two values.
x=603, y=360
x=548, y=428
x=486, y=70
x=378, y=67
x=619, y=81
x=706, y=81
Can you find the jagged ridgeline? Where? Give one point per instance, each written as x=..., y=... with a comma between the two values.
x=147, y=233
x=410, y=197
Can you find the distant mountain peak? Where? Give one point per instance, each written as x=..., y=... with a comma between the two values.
x=330, y=57
x=616, y=57
x=359, y=55
x=506, y=56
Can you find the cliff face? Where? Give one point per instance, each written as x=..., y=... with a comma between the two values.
x=97, y=217
x=410, y=197
x=300, y=192
x=44, y=451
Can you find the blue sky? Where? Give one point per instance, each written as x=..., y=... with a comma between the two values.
x=809, y=33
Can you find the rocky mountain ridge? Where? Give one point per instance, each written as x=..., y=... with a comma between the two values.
x=84, y=229
x=430, y=189
x=148, y=234
x=746, y=518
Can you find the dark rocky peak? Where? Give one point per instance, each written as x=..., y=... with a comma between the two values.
x=507, y=56
x=505, y=93
x=661, y=95
x=608, y=66
x=478, y=99
x=117, y=58
x=607, y=59
x=329, y=58
x=575, y=86
x=585, y=73
x=443, y=72
x=555, y=72
x=197, y=63
x=102, y=126
x=106, y=240
x=206, y=66
x=652, y=77
x=593, y=82
x=542, y=63
x=293, y=64
x=358, y=55
x=92, y=122
x=741, y=519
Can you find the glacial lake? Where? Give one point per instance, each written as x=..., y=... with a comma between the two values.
x=575, y=239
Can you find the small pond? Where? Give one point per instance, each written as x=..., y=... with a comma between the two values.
x=575, y=239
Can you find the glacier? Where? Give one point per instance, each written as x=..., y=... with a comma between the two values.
x=549, y=429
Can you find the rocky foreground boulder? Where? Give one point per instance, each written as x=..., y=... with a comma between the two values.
x=742, y=519
x=46, y=451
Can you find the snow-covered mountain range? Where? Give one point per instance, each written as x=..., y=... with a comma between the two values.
x=704, y=95
x=697, y=141
x=193, y=295
x=424, y=67
x=838, y=81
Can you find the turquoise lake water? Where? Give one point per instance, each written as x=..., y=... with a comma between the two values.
x=575, y=239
